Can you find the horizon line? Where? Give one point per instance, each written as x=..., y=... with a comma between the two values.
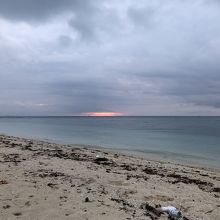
x=91, y=116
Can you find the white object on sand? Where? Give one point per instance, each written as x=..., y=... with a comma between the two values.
x=98, y=158
x=172, y=211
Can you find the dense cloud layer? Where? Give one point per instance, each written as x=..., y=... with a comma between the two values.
x=136, y=57
x=27, y=10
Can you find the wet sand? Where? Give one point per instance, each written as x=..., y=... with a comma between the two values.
x=42, y=180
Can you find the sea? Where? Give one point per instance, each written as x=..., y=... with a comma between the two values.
x=193, y=140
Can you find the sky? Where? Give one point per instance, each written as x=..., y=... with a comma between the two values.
x=146, y=57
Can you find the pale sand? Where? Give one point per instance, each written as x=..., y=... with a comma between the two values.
x=40, y=180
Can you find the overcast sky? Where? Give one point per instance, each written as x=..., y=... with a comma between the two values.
x=150, y=57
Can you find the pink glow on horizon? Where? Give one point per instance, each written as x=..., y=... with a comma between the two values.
x=101, y=114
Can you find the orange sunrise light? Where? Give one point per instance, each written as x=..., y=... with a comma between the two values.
x=103, y=114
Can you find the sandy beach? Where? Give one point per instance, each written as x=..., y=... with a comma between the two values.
x=41, y=180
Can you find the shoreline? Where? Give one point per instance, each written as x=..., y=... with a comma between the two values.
x=157, y=156
x=44, y=180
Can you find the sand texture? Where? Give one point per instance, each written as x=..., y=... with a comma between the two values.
x=41, y=180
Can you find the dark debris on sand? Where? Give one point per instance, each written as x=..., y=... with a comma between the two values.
x=111, y=165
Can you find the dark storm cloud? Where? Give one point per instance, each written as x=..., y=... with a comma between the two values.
x=38, y=11
x=89, y=95
x=193, y=88
x=197, y=91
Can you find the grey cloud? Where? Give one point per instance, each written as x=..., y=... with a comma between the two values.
x=97, y=24
x=137, y=58
x=65, y=41
x=195, y=90
x=142, y=16
x=207, y=101
x=84, y=26
x=38, y=10
x=97, y=94
x=88, y=17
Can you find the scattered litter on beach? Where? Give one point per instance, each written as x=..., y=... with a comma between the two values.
x=104, y=161
x=3, y=182
x=98, y=158
x=88, y=183
x=172, y=211
x=151, y=211
x=155, y=212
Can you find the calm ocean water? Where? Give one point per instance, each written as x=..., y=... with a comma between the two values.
x=190, y=139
